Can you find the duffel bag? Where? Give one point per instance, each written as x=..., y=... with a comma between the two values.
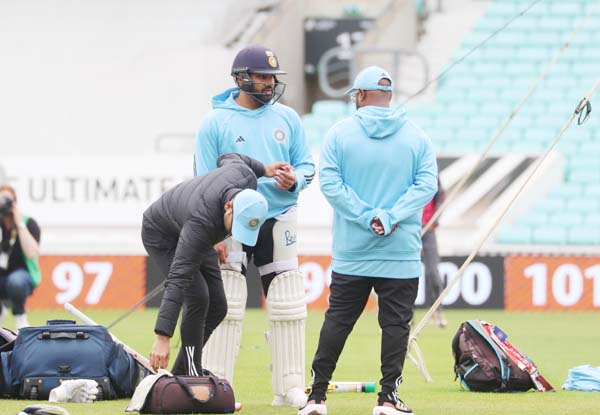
x=190, y=395
x=44, y=356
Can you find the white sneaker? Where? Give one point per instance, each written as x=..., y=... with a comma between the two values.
x=440, y=321
x=294, y=397
x=313, y=409
x=21, y=321
x=397, y=407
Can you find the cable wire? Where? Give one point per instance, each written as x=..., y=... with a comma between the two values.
x=476, y=47
x=144, y=300
x=584, y=105
x=452, y=194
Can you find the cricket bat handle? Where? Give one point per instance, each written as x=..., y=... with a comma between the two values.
x=142, y=360
x=347, y=387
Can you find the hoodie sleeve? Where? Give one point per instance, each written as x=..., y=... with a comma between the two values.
x=419, y=193
x=257, y=167
x=300, y=156
x=206, y=150
x=342, y=198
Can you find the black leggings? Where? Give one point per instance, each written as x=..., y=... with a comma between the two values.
x=204, y=304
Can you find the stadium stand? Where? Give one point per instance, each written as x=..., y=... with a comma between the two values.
x=474, y=98
x=120, y=73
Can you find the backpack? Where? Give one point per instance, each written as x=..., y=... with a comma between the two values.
x=44, y=356
x=484, y=361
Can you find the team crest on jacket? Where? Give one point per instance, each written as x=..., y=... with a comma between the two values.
x=279, y=135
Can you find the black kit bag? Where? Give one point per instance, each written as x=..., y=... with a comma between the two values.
x=42, y=357
x=7, y=342
x=482, y=365
x=7, y=339
x=190, y=395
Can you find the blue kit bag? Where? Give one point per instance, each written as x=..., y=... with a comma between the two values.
x=44, y=356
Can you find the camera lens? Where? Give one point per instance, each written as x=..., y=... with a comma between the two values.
x=5, y=205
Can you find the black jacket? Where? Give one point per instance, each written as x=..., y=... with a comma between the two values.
x=191, y=213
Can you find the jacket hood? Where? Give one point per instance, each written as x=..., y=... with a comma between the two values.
x=226, y=100
x=380, y=122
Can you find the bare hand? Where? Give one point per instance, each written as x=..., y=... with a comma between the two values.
x=221, y=249
x=285, y=178
x=159, y=356
x=272, y=168
x=377, y=226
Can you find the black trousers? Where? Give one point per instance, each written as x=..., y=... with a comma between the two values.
x=204, y=302
x=431, y=259
x=348, y=298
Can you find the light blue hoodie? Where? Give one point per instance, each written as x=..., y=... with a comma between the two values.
x=377, y=163
x=267, y=134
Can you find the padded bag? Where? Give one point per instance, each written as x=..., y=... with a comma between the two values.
x=44, y=356
x=190, y=395
x=481, y=365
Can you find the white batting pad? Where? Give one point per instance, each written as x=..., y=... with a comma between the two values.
x=236, y=257
x=220, y=352
x=285, y=245
x=286, y=309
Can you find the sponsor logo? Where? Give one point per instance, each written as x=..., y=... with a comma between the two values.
x=279, y=135
x=240, y=139
x=289, y=238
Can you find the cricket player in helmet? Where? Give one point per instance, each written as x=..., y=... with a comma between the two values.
x=247, y=119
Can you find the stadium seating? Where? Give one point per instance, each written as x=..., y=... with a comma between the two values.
x=478, y=95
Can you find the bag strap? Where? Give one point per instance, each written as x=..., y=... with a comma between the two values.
x=79, y=335
x=58, y=322
x=189, y=392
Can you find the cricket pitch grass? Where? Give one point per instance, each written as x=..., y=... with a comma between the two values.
x=555, y=341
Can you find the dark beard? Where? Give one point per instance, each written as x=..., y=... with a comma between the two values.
x=263, y=98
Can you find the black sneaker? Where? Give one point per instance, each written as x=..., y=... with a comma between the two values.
x=395, y=406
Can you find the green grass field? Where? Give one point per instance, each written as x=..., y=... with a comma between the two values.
x=555, y=341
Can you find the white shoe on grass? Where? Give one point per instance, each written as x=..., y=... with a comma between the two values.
x=294, y=397
x=391, y=405
x=316, y=408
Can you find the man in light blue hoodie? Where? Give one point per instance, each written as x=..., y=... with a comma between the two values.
x=248, y=120
x=377, y=170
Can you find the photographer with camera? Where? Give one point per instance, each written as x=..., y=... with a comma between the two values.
x=19, y=251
